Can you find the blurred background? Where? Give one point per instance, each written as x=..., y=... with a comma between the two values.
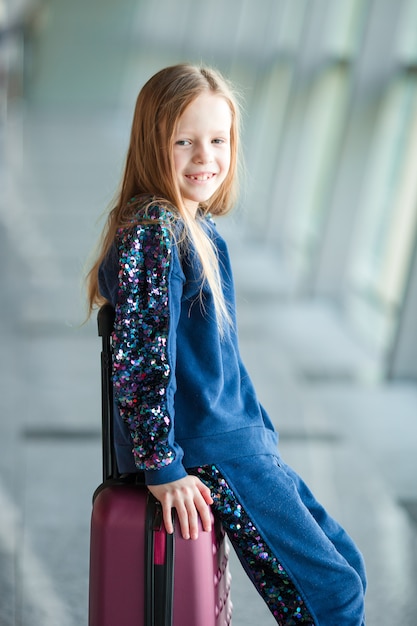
x=323, y=241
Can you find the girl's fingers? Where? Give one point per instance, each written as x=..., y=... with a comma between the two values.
x=188, y=512
x=167, y=517
x=191, y=499
x=205, y=492
x=184, y=520
x=193, y=522
x=205, y=516
x=203, y=507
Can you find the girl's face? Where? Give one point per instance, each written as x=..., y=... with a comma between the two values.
x=202, y=148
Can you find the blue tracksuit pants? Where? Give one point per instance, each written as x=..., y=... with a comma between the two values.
x=301, y=561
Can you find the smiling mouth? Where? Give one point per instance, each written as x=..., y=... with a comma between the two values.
x=201, y=177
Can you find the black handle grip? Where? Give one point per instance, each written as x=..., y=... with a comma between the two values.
x=105, y=320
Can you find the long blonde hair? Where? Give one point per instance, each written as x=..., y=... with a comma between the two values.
x=149, y=169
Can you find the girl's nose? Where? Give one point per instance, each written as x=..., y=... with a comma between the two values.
x=203, y=154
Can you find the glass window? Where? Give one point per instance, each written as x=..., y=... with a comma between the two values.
x=344, y=23
x=263, y=137
x=316, y=161
x=407, y=41
x=386, y=226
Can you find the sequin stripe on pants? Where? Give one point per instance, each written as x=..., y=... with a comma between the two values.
x=266, y=572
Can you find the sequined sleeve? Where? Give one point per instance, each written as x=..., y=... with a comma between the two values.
x=141, y=370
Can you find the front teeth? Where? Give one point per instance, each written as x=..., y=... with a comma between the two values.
x=201, y=177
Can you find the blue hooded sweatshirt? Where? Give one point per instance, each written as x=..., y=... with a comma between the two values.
x=183, y=397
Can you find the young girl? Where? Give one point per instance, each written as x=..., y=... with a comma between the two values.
x=187, y=413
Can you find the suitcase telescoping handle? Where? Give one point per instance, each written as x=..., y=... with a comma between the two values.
x=105, y=322
x=159, y=557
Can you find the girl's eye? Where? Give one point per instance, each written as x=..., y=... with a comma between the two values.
x=218, y=140
x=182, y=142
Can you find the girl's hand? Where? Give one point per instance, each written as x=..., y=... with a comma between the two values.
x=191, y=499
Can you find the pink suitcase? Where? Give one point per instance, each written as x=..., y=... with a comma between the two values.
x=140, y=575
